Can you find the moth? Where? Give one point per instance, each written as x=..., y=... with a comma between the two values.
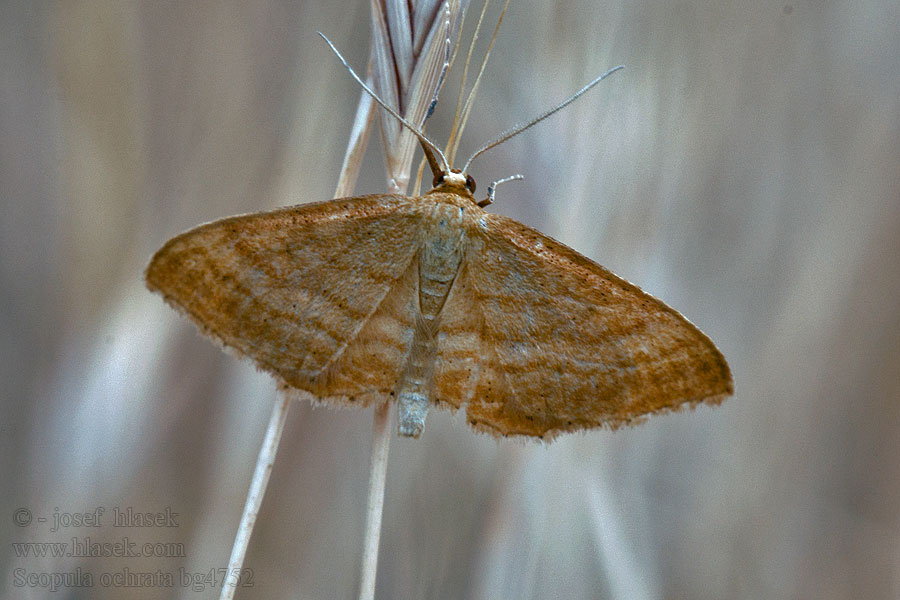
x=432, y=300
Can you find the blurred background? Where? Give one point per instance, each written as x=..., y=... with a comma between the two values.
x=745, y=168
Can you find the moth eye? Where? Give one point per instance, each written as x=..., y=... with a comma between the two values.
x=438, y=179
x=470, y=183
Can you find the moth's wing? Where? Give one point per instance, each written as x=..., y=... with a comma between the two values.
x=320, y=295
x=568, y=345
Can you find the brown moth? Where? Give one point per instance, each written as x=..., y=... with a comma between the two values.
x=431, y=300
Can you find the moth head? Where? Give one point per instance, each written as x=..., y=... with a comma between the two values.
x=454, y=178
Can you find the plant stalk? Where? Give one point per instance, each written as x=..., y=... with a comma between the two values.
x=264, y=464
x=381, y=438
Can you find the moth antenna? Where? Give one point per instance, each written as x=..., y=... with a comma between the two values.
x=422, y=138
x=517, y=129
x=492, y=189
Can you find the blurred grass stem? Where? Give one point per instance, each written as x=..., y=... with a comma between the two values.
x=264, y=464
x=381, y=438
